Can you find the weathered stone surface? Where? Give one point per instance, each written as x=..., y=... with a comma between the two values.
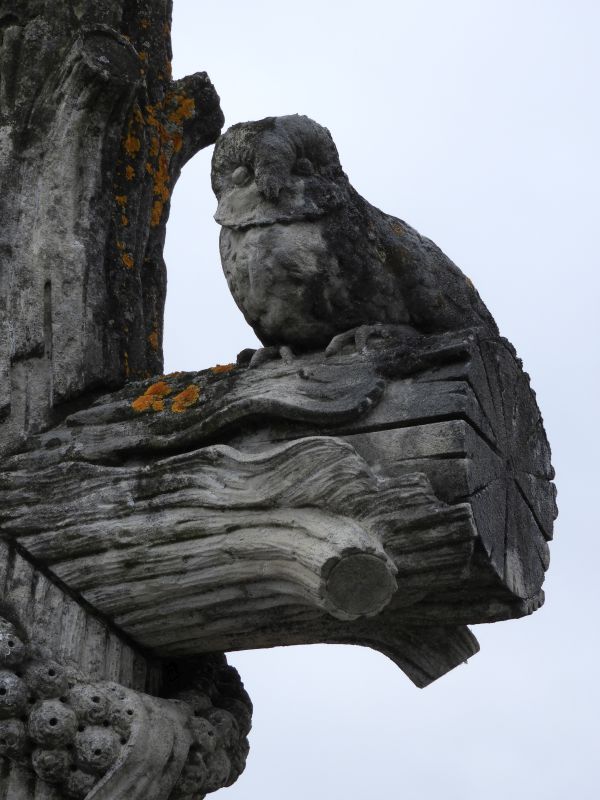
x=93, y=135
x=191, y=547
x=102, y=740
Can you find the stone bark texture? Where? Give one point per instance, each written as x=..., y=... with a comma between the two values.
x=387, y=494
x=93, y=135
x=387, y=498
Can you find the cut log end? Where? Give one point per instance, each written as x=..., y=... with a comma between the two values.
x=360, y=585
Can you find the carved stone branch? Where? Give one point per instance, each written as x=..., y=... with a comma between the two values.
x=382, y=499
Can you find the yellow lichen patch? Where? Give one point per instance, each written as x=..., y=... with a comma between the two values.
x=153, y=398
x=153, y=340
x=186, y=399
x=146, y=402
x=154, y=146
x=121, y=245
x=151, y=116
x=156, y=214
x=219, y=369
x=185, y=109
x=161, y=179
x=124, y=220
x=159, y=389
x=127, y=260
x=129, y=172
x=177, y=140
x=121, y=200
x=132, y=145
x=143, y=56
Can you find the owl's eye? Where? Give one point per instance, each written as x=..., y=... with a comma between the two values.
x=240, y=176
x=304, y=166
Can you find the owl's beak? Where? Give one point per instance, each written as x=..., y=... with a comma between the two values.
x=244, y=206
x=264, y=202
x=269, y=186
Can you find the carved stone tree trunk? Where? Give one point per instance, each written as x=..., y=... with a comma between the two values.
x=93, y=135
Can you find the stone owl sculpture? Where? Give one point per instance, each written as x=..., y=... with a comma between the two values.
x=310, y=263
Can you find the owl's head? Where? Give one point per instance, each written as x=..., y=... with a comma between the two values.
x=278, y=169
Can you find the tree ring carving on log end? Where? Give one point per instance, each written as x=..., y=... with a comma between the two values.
x=360, y=585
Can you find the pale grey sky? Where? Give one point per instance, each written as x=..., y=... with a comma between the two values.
x=477, y=122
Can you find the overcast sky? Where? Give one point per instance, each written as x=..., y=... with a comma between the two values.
x=477, y=122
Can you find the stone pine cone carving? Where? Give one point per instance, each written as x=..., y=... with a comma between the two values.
x=308, y=259
x=95, y=739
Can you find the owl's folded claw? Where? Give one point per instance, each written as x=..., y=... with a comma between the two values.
x=359, y=337
x=265, y=354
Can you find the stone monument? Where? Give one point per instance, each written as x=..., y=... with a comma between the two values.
x=376, y=474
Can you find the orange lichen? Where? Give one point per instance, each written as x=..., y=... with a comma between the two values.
x=143, y=56
x=124, y=220
x=219, y=369
x=145, y=403
x=159, y=389
x=144, y=23
x=154, y=146
x=132, y=145
x=177, y=140
x=121, y=200
x=156, y=214
x=163, y=123
x=186, y=107
x=151, y=116
x=153, y=398
x=185, y=399
x=161, y=179
x=127, y=260
x=153, y=340
x=121, y=245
